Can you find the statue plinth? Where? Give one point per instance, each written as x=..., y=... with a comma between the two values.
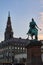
x=34, y=53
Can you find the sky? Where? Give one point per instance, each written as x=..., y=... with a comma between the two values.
x=21, y=12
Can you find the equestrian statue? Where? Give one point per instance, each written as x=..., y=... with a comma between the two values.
x=33, y=30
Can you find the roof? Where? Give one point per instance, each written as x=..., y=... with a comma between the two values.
x=18, y=41
x=14, y=41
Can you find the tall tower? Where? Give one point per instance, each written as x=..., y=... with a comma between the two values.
x=8, y=30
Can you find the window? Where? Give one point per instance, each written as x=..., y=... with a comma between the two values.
x=23, y=48
x=9, y=47
x=15, y=47
x=18, y=47
x=12, y=47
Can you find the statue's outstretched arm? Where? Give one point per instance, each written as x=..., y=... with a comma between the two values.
x=38, y=27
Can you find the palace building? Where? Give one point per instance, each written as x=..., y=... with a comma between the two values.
x=13, y=49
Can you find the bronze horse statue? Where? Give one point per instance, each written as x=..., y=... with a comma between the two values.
x=33, y=33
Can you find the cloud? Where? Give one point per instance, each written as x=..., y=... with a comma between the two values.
x=41, y=3
x=40, y=36
x=40, y=18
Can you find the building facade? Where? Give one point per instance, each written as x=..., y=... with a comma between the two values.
x=12, y=48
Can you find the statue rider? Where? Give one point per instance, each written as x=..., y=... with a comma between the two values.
x=33, y=29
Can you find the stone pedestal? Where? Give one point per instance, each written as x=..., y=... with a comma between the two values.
x=34, y=53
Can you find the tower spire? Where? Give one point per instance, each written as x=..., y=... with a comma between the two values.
x=8, y=31
x=9, y=14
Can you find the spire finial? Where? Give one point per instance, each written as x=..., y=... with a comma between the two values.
x=9, y=14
